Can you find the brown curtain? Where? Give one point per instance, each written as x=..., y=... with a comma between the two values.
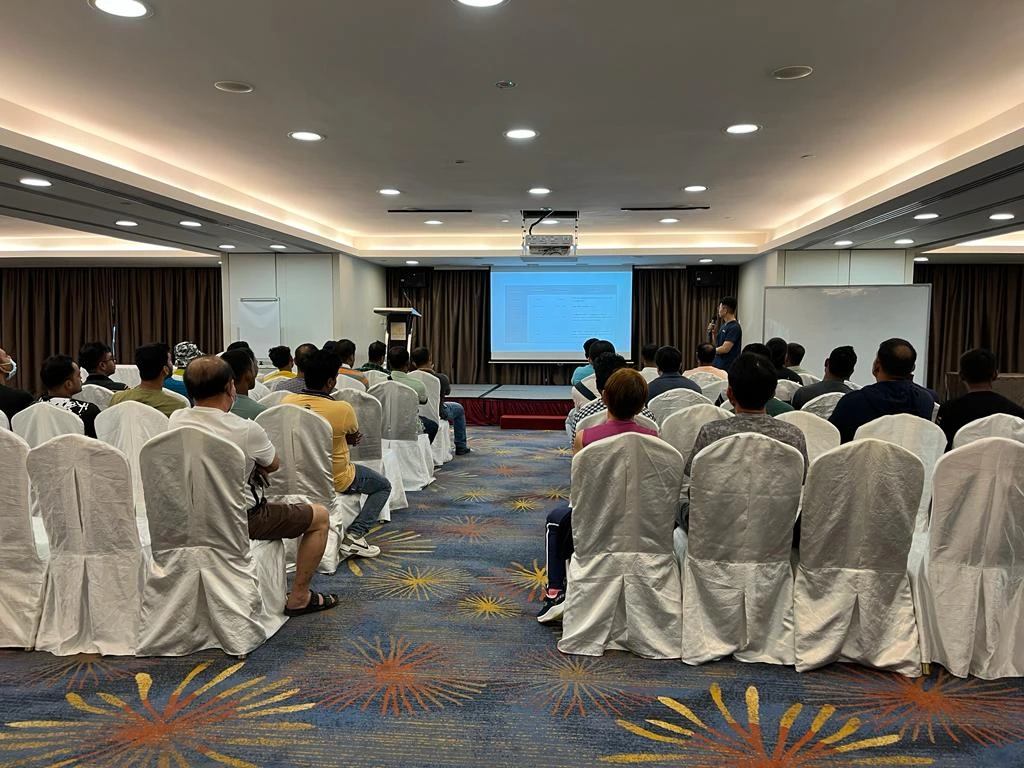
x=455, y=304
x=45, y=311
x=973, y=305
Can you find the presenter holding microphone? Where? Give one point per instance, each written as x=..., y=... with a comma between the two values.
x=730, y=334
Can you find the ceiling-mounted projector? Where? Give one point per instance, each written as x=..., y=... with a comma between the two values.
x=562, y=247
x=548, y=245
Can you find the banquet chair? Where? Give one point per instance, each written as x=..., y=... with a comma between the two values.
x=347, y=382
x=823, y=405
x=820, y=435
x=667, y=403
x=996, y=425
x=807, y=379
x=370, y=451
x=715, y=389
x=602, y=416
x=785, y=390
x=443, y=447
x=680, y=429
x=274, y=398
x=375, y=377
x=5, y=423
x=178, y=396
x=259, y=390
x=41, y=421
x=400, y=431
x=95, y=394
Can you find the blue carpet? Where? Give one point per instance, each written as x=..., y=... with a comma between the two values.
x=434, y=658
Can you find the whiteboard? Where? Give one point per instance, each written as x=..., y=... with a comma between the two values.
x=825, y=317
x=259, y=324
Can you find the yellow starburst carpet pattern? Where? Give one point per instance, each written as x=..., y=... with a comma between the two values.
x=434, y=657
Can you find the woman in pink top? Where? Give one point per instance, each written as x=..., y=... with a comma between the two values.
x=624, y=394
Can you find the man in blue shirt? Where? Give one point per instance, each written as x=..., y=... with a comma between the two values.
x=670, y=362
x=730, y=334
x=584, y=370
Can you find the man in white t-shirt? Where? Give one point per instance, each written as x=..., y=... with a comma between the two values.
x=211, y=385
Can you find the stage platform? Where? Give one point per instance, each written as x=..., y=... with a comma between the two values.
x=485, y=404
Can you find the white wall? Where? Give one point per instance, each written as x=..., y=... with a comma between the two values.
x=359, y=287
x=754, y=276
x=887, y=267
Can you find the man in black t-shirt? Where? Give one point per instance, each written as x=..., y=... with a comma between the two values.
x=977, y=371
x=730, y=335
x=62, y=378
x=11, y=400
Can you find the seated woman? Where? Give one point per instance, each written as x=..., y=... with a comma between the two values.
x=625, y=394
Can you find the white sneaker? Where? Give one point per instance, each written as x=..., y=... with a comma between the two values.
x=351, y=547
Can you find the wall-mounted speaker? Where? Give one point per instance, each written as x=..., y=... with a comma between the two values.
x=707, y=277
x=413, y=278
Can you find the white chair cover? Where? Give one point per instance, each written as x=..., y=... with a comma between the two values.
x=259, y=390
x=715, y=389
x=347, y=382
x=649, y=374
x=703, y=379
x=971, y=610
x=737, y=577
x=821, y=435
x=680, y=429
x=177, y=395
x=443, y=448
x=590, y=382
x=274, y=383
x=400, y=431
x=209, y=588
x=667, y=403
x=5, y=423
x=852, y=599
x=95, y=394
x=807, y=379
x=41, y=421
x=91, y=600
x=375, y=377
x=823, y=405
x=623, y=582
x=785, y=390
x=996, y=425
x=22, y=570
x=127, y=374
x=370, y=451
x=852, y=386
x=922, y=438
x=274, y=398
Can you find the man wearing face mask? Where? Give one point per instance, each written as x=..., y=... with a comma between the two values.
x=63, y=378
x=11, y=400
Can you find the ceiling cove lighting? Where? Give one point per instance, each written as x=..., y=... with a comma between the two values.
x=411, y=262
x=920, y=259
x=742, y=128
x=126, y=223
x=226, y=247
x=521, y=134
x=433, y=222
x=190, y=223
x=540, y=191
x=705, y=261
x=126, y=9
x=670, y=221
x=278, y=247
x=33, y=181
x=306, y=136
x=926, y=216
x=904, y=241
x=390, y=191
x=1001, y=217
x=695, y=188
x=843, y=243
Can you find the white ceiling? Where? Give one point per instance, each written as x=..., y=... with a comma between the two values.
x=630, y=100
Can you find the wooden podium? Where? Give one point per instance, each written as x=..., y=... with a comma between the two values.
x=398, y=325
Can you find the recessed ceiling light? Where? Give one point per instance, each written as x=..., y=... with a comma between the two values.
x=389, y=191
x=705, y=261
x=220, y=263
x=695, y=188
x=843, y=243
x=505, y=84
x=226, y=247
x=481, y=3
x=550, y=221
x=504, y=221
x=411, y=262
x=433, y=222
x=233, y=86
x=33, y=181
x=904, y=241
x=741, y=128
x=305, y=136
x=792, y=73
x=1001, y=216
x=126, y=223
x=670, y=221
x=190, y=223
x=920, y=259
x=277, y=247
x=540, y=191
x=926, y=216
x=128, y=9
x=521, y=134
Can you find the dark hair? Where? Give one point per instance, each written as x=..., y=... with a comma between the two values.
x=279, y=356
x=841, y=361
x=420, y=356
x=706, y=354
x=669, y=360
x=90, y=355
x=605, y=365
x=752, y=380
x=730, y=302
x=625, y=393
x=897, y=357
x=302, y=352
x=207, y=376
x=977, y=366
x=648, y=351
x=151, y=359
x=756, y=348
x=376, y=351
x=237, y=345
x=599, y=348
x=56, y=370
x=320, y=368
x=345, y=349
x=587, y=344
x=398, y=358
x=777, y=350
x=795, y=353
x=240, y=362
x=329, y=346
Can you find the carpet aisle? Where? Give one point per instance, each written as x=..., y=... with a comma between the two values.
x=434, y=658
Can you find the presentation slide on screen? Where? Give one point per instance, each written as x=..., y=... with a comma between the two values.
x=546, y=314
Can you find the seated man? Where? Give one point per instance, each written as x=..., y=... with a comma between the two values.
x=604, y=366
x=243, y=368
x=774, y=406
x=977, y=372
x=649, y=366
x=62, y=378
x=398, y=363
x=670, y=363
x=184, y=353
x=298, y=383
x=12, y=400
x=154, y=364
x=794, y=357
x=345, y=350
x=583, y=371
x=705, y=360
x=321, y=371
x=375, y=355
x=96, y=359
x=778, y=349
x=453, y=412
x=282, y=359
x=838, y=369
x=211, y=385
x=624, y=395
x=581, y=392
x=894, y=391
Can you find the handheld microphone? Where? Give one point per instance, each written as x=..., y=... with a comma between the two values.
x=711, y=328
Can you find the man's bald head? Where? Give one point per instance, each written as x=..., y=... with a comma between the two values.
x=897, y=358
x=302, y=352
x=208, y=376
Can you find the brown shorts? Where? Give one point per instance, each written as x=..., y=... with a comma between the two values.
x=280, y=521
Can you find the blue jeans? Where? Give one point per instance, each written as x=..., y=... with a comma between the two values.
x=377, y=490
x=456, y=414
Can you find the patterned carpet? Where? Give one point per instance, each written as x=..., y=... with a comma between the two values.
x=434, y=658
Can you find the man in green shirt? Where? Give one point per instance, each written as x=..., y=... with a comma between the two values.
x=154, y=364
x=398, y=363
x=244, y=368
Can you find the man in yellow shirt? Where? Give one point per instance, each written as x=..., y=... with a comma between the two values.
x=321, y=372
x=282, y=359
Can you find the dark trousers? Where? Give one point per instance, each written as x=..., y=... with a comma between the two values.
x=558, y=545
x=430, y=427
